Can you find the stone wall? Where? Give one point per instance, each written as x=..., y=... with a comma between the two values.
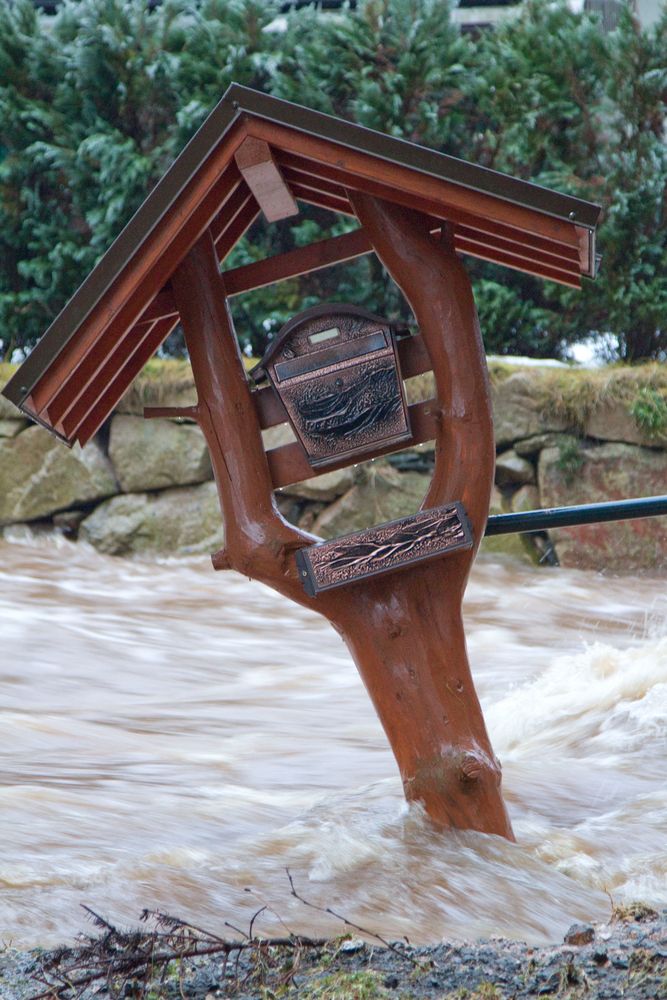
x=563, y=437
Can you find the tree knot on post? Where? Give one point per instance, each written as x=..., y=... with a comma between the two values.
x=221, y=559
x=471, y=767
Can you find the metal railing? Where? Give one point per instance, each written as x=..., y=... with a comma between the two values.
x=589, y=513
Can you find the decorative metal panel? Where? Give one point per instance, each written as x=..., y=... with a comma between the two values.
x=336, y=370
x=384, y=549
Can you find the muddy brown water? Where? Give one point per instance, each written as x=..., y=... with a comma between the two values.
x=175, y=738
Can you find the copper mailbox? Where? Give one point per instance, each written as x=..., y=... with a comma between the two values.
x=336, y=370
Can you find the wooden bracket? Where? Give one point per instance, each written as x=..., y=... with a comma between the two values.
x=264, y=178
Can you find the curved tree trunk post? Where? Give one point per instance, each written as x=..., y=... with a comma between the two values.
x=403, y=629
x=451, y=767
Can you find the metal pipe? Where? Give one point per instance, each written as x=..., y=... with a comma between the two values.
x=588, y=513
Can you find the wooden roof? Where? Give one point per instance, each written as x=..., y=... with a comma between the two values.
x=124, y=309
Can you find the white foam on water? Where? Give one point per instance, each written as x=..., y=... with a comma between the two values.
x=601, y=701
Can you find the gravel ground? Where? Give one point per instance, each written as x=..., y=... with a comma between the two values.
x=626, y=958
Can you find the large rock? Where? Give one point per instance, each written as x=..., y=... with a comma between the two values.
x=420, y=387
x=608, y=472
x=511, y=544
x=326, y=487
x=170, y=384
x=611, y=420
x=383, y=495
x=519, y=408
x=7, y=409
x=39, y=476
x=275, y=437
x=531, y=447
x=9, y=428
x=525, y=498
x=181, y=520
x=513, y=469
x=157, y=454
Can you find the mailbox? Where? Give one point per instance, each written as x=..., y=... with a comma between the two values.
x=336, y=370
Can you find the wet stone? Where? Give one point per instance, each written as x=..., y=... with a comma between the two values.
x=68, y=522
x=579, y=934
x=512, y=468
x=530, y=447
x=157, y=454
x=413, y=461
x=327, y=487
x=38, y=477
x=10, y=428
x=353, y=945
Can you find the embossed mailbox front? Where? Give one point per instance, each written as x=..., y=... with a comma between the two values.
x=336, y=369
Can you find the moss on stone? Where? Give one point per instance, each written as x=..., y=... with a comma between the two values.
x=6, y=372
x=573, y=394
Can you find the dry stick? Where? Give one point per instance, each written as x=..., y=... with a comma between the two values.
x=275, y=913
x=348, y=923
x=253, y=919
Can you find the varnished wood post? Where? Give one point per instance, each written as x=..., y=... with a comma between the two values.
x=404, y=630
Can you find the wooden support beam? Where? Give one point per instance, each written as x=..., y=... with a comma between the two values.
x=230, y=208
x=586, y=244
x=304, y=176
x=303, y=260
x=328, y=201
x=262, y=175
x=404, y=630
x=163, y=305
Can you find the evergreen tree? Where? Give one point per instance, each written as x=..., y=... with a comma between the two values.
x=96, y=102
x=94, y=105
x=629, y=299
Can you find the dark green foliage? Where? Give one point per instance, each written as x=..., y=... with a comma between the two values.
x=96, y=101
x=570, y=458
x=650, y=411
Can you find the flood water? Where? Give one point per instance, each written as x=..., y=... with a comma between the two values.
x=173, y=737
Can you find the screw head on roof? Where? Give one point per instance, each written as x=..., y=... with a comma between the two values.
x=572, y=215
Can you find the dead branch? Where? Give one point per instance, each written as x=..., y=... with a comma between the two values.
x=118, y=957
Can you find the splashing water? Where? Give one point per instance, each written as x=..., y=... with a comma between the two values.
x=174, y=738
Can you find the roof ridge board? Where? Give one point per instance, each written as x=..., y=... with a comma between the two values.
x=403, y=153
